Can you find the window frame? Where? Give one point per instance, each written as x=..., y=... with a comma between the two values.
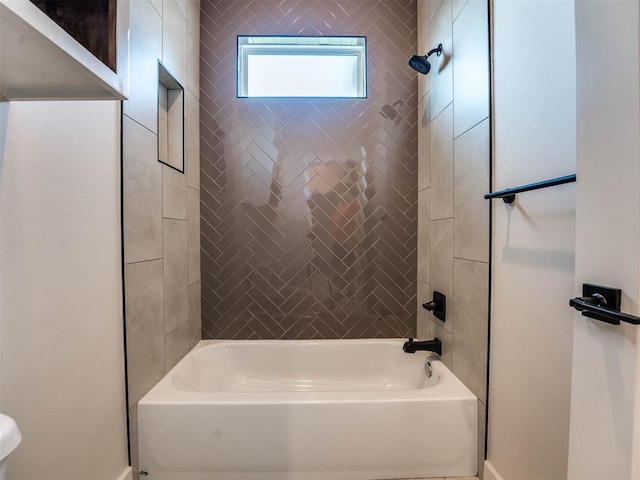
x=244, y=50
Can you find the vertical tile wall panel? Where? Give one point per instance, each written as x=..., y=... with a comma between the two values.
x=459, y=148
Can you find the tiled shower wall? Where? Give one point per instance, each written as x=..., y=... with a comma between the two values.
x=454, y=169
x=309, y=206
x=161, y=205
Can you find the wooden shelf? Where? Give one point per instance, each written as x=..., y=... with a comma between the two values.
x=40, y=61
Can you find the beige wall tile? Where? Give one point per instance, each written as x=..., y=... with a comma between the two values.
x=423, y=44
x=183, y=5
x=471, y=180
x=176, y=274
x=193, y=58
x=441, y=264
x=157, y=5
x=177, y=345
x=192, y=140
x=174, y=41
x=424, y=239
x=145, y=327
x=433, y=6
x=482, y=428
x=195, y=314
x=442, y=165
x=142, y=183
x=441, y=74
x=194, y=235
x=424, y=295
x=470, y=66
x=174, y=194
x=471, y=318
x=456, y=8
x=424, y=141
x=133, y=440
x=146, y=48
x=447, y=339
x=176, y=129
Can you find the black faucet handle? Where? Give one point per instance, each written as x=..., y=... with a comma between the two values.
x=438, y=305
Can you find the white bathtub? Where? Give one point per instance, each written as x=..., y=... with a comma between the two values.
x=307, y=410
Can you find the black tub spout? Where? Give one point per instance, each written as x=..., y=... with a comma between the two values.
x=434, y=346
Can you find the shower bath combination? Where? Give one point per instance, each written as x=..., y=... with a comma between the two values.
x=420, y=63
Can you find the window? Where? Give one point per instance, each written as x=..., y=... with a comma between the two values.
x=302, y=66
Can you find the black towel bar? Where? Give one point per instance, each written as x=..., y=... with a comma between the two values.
x=509, y=195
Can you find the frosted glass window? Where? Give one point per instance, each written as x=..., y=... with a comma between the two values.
x=302, y=67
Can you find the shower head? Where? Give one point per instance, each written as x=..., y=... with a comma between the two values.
x=420, y=63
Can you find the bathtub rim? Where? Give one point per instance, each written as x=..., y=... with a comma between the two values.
x=166, y=391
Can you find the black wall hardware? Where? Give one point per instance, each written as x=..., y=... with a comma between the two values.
x=602, y=303
x=434, y=346
x=438, y=305
x=509, y=195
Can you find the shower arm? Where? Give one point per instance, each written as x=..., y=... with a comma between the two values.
x=435, y=50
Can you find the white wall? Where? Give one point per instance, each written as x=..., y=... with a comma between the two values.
x=62, y=373
x=605, y=390
x=533, y=241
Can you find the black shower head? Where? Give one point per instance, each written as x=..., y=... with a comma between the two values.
x=420, y=63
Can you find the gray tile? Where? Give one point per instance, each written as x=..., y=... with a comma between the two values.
x=471, y=179
x=145, y=327
x=174, y=41
x=471, y=66
x=142, y=180
x=193, y=58
x=177, y=345
x=423, y=322
x=174, y=194
x=424, y=143
x=145, y=30
x=192, y=139
x=442, y=165
x=471, y=317
x=176, y=274
x=195, y=314
x=437, y=331
x=424, y=228
x=133, y=439
x=441, y=265
x=193, y=234
x=441, y=74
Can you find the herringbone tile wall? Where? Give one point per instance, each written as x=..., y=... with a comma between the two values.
x=309, y=206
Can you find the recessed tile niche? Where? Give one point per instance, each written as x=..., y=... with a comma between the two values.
x=170, y=120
